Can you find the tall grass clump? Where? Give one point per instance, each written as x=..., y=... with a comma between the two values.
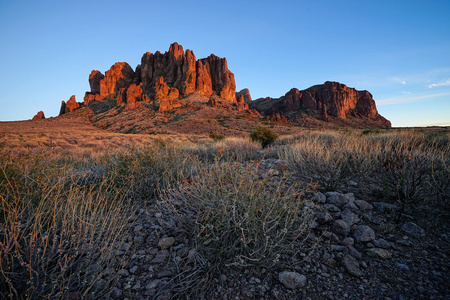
x=58, y=233
x=231, y=148
x=330, y=160
x=142, y=168
x=237, y=218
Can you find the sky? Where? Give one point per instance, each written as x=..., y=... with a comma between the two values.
x=397, y=50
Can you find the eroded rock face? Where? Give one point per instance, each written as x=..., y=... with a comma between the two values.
x=246, y=94
x=94, y=81
x=39, y=116
x=329, y=99
x=90, y=97
x=241, y=104
x=183, y=72
x=120, y=76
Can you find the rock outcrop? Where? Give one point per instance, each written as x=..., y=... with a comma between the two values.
x=246, y=94
x=329, y=99
x=164, y=79
x=69, y=106
x=39, y=116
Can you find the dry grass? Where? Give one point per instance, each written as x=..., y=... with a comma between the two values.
x=409, y=165
x=67, y=190
x=58, y=231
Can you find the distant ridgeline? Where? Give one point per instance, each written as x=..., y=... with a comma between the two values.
x=162, y=81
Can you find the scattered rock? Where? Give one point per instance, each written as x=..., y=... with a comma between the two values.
x=116, y=293
x=323, y=217
x=402, y=267
x=412, y=229
x=292, y=280
x=166, y=242
x=364, y=234
x=352, y=266
x=349, y=217
x=341, y=227
x=363, y=205
x=378, y=252
x=320, y=198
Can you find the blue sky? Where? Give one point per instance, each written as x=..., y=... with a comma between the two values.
x=398, y=50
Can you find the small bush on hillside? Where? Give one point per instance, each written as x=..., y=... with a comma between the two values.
x=263, y=135
x=216, y=136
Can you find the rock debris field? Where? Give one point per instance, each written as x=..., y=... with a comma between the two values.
x=355, y=249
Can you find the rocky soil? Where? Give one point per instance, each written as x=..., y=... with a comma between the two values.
x=355, y=250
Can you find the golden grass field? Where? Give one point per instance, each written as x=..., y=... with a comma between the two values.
x=68, y=191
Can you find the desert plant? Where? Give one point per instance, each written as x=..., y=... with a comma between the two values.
x=330, y=162
x=405, y=174
x=57, y=237
x=263, y=135
x=216, y=136
x=238, y=219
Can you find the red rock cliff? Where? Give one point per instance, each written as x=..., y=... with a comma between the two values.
x=328, y=99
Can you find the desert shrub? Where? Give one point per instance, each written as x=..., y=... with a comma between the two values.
x=405, y=174
x=57, y=234
x=329, y=161
x=263, y=135
x=141, y=169
x=237, y=218
x=239, y=149
x=216, y=136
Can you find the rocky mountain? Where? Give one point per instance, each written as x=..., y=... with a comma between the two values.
x=172, y=82
x=160, y=81
x=331, y=99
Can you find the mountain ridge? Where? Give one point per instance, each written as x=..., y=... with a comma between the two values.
x=163, y=83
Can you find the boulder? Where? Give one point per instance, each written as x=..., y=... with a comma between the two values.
x=292, y=280
x=39, y=116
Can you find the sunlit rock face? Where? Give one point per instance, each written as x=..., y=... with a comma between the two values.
x=329, y=99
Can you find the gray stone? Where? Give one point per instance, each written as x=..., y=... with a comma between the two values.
x=402, y=267
x=350, y=197
x=160, y=257
x=320, y=198
x=339, y=200
x=412, y=229
x=135, y=270
x=353, y=252
x=378, y=252
x=332, y=208
x=381, y=243
x=351, y=206
x=292, y=280
x=137, y=286
x=138, y=228
x=323, y=217
x=125, y=247
x=349, y=217
x=348, y=241
x=341, y=227
x=352, y=266
x=164, y=273
x=166, y=242
x=116, y=293
x=363, y=205
x=153, y=285
x=364, y=234
x=123, y=272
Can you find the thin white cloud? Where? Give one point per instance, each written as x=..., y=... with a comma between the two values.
x=443, y=83
x=403, y=82
x=409, y=99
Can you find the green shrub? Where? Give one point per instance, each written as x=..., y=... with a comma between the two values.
x=263, y=135
x=216, y=136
